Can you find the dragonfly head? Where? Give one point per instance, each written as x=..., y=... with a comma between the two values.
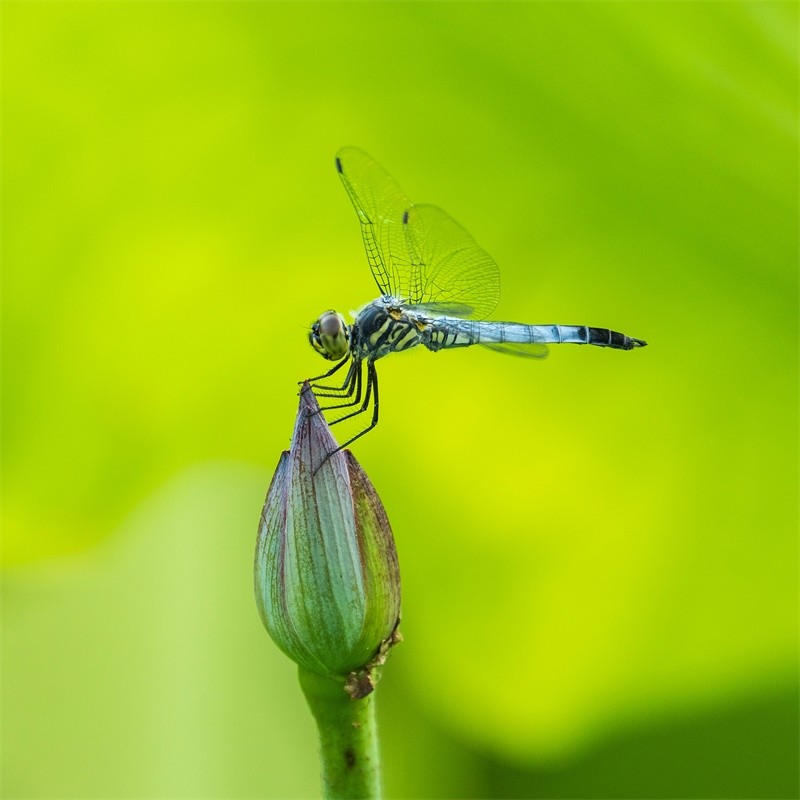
x=330, y=336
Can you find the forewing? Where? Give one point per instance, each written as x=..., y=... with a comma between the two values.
x=381, y=206
x=417, y=253
x=448, y=269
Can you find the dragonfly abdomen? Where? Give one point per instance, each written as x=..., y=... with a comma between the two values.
x=448, y=332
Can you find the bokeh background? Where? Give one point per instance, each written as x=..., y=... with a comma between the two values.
x=599, y=551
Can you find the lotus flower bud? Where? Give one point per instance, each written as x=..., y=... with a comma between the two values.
x=326, y=574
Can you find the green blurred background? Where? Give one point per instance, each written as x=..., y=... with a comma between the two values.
x=599, y=551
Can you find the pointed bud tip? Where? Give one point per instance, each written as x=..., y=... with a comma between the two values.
x=312, y=440
x=308, y=399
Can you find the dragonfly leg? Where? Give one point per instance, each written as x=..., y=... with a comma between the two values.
x=330, y=372
x=346, y=389
x=367, y=397
x=355, y=393
x=372, y=387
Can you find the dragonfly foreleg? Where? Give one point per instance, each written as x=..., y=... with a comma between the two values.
x=346, y=389
x=330, y=372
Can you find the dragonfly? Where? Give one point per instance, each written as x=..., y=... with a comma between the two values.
x=437, y=289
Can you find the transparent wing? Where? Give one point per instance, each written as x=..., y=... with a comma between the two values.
x=381, y=205
x=417, y=253
x=450, y=271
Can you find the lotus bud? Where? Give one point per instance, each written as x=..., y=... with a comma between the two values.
x=326, y=573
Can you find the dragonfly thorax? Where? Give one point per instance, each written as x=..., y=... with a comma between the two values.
x=330, y=336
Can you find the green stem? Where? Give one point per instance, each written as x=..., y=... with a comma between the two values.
x=348, y=739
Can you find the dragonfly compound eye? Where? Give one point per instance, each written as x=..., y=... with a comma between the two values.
x=330, y=336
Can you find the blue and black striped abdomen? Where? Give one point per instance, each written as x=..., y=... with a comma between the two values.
x=448, y=332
